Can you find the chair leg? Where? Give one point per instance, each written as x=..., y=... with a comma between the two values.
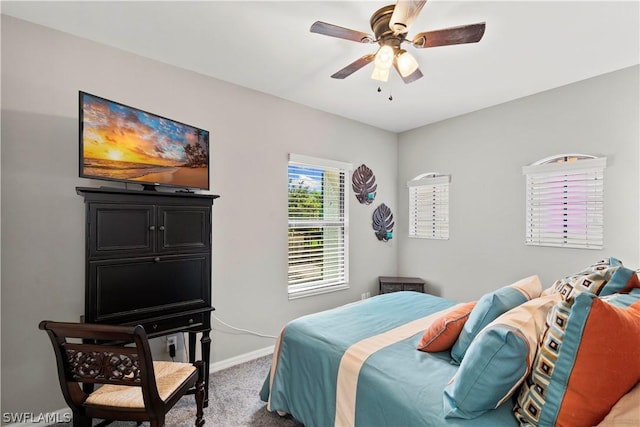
x=157, y=422
x=199, y=395
x=81, y=421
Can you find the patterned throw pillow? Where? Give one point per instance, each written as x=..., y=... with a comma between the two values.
x=498, y=360
x=622, y=282
x=492, y=305
x=444, y=331
x=593, y=279
x=587, y=360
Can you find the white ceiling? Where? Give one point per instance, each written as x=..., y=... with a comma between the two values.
x=528, y=47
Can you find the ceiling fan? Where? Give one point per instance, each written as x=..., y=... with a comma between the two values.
x=390, y=26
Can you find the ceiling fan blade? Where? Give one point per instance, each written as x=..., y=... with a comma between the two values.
x=331, y=30
x=411, y=77
x=449, y=36
x=404, y=13
x=353, y=67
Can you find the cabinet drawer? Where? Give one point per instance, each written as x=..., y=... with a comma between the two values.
x=390, y=287
x=395, y=284
x=178, y=323
x=413, y=287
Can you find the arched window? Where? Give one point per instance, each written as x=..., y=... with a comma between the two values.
x=565, y=201
x=429, y=206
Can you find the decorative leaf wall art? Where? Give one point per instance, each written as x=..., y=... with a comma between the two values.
x=363, y=182
x=383, y=222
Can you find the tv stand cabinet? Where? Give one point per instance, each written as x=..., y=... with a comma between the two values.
x=148, y=262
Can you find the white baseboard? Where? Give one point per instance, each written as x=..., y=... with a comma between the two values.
x=246, y=357
x=64, y=415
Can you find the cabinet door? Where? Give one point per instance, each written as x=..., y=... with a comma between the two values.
x=120, y=229
x=137, y=288
x=184, y=229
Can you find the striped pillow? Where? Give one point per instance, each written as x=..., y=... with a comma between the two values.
x=622, y=281
x=587, y=360
x=593, y=279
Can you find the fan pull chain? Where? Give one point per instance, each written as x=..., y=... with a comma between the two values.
x=390, y=93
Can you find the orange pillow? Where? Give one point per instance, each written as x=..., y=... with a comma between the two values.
x=587, y=360
x=444, y=331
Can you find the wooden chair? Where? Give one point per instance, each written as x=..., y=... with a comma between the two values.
x=134, y=387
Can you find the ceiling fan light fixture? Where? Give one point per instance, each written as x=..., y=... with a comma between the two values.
x=380, y=74
x=406, y=63
x=384, y=57
x=383, y=63
x=390, y=25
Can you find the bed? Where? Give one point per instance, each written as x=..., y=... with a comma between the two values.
x=358, y=364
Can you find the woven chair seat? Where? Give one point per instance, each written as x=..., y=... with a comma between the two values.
x=169, y=376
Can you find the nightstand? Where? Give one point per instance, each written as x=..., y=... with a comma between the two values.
x=395, y=284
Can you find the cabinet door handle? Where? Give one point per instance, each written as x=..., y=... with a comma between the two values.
x=152, y=227
x=157, y=259
x=162, y=228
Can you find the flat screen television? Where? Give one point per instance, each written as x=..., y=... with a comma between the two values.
x=126, y=144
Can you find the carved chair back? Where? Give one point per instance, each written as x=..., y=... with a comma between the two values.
x=89, y=354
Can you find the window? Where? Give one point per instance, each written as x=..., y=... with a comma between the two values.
x=565, y=201
x=318, y=226
x=429, y=206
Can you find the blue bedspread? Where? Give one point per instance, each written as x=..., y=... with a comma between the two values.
x=396, y=385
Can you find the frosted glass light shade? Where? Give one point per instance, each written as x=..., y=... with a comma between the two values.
x=380, y=74
x=383, y=62
x=384, y=57
x=407, y=64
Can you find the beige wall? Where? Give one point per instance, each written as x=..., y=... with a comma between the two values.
x=251, y=136
x=484, y=153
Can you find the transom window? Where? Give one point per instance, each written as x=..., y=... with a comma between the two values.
x=318, y=226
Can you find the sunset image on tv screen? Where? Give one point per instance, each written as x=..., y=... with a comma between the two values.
x=124, y=143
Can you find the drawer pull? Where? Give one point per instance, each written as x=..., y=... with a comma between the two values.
x=162, y=228
x=190, y=321
x=157, y=259
x=155, y=326
x=152, y=227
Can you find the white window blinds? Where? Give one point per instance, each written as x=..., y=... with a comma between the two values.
x=318, y=225
x=429, y=206
x=565, y=202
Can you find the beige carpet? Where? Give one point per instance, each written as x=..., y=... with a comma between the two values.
x=234, y=401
